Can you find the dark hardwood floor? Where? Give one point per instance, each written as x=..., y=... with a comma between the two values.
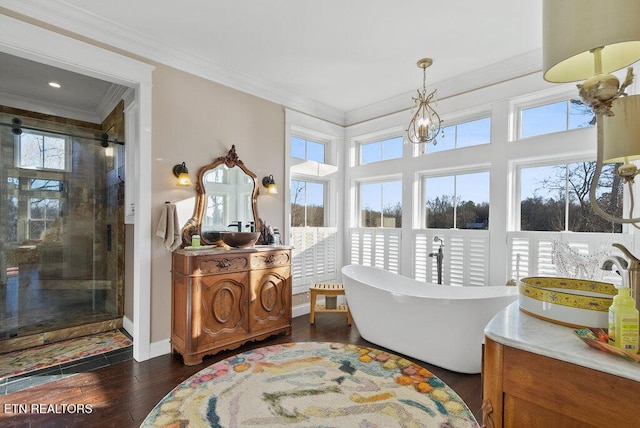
x=121, y=395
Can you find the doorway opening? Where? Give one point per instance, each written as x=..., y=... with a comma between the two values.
x=61, y=228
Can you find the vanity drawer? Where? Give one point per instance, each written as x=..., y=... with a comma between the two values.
x=211, y=264
x=268, y=259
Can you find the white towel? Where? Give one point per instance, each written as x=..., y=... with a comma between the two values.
x=168, y=227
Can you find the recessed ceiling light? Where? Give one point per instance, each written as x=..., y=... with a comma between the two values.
x=54, y=84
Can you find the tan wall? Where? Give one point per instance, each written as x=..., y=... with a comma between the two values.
x=196, y=121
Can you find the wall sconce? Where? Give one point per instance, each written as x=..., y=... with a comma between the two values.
x=589, y=39
x=270, y=184
x=182, y=173
x=104, y=142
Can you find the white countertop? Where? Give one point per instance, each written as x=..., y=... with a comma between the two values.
x=513, y=328
x=212, y=249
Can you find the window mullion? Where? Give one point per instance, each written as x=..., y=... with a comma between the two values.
x=381, y=205
x=566, y=198
x=455, y=202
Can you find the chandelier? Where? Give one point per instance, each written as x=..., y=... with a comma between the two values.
x=426, y=123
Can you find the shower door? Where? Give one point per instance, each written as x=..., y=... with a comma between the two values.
x=60, y=228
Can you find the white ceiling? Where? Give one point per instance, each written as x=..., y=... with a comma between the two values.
x=337, y=55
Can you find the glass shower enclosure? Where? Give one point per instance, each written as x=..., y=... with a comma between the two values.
x=61, y=227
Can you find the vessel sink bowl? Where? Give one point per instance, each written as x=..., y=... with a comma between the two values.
x=572, y=302
x=240, y=239
x=213, y=237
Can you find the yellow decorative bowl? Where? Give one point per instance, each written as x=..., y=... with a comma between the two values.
x=568, y=301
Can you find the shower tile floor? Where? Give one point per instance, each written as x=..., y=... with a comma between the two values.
x=30, y=305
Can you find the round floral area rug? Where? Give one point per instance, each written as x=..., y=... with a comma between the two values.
x=313, y=385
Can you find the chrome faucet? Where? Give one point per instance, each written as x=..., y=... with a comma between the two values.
x=632, y=268
x=439, y=256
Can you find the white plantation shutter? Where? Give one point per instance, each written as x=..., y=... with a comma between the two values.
x=466, y=257
x=326, y=251
x=422, y=249
x=378, y=247
x=454, y=254
x=545, y=258
x=314, y=255
x=531, y=253
x=466, y=252
x=478, y=261
x=393, y=252
x=297, y=262
x=519, y=257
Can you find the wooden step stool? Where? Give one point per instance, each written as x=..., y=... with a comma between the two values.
x=327, y=289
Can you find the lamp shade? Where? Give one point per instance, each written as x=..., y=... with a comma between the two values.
x=270, y=184
x=621, y=132
x=572, y=28
x=182, y=173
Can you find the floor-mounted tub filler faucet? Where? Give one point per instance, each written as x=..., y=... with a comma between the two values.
x=439, y=256
x=629, y=270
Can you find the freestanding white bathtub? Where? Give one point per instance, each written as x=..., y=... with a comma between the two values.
x=438, y=324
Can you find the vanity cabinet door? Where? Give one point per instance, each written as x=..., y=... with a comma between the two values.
x=220, y=309
x=270, y=301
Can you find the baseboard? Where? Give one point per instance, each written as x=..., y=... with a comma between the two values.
x=156, y=349
x=127, y=324
x=299, y=310
x=161, y=347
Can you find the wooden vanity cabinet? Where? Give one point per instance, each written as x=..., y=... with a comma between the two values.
x=223, y=299
x=522, y=389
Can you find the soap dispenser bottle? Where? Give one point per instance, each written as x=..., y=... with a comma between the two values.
x=623, y=321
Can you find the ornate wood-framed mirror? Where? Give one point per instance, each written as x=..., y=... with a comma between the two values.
x=227, y=196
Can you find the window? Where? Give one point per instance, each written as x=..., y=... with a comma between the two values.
x=464, y=134
x=556, y=198
x=307, y=150
x=307, y=204
x=381, y=204
x=42, y=151
x=556, y=117
x=377, y=151
x=43, y=212
x=214, y=213
x=44, y=184
x=457, y=201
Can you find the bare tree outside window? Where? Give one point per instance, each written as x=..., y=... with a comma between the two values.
x=42, y=151
x=457, y=201
x=560, y=200
x=307, y=204
x=43, y=212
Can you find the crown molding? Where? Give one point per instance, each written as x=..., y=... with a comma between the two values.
x=110, y=100
x=70, y=18
x=44, y=107
x=519, y=66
